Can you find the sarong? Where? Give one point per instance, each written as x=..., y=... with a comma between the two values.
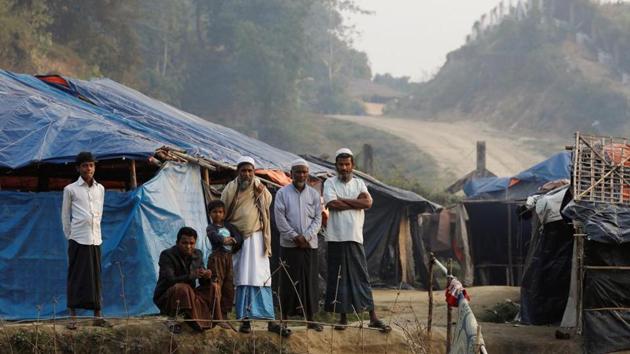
x=302, y=266
x=84, y=276
x=199, y=304
x=351, y=291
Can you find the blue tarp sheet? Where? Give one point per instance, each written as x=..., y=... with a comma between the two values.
x=136, y=227
x=41, y=123
x=556, y=167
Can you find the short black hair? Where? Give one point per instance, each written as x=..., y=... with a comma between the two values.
x=217, y=203
x=84, y=156
x=186, y=231
x=344, y=156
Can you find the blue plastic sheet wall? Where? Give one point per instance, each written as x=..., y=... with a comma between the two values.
x=136, y=227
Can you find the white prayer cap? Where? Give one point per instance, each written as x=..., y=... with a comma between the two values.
x=299, y=162
x=345, y=151
x=245, y=159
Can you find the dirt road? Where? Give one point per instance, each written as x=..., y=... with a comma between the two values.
x=453, y=144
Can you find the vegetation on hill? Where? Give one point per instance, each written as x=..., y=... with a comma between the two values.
x=249, y=64
x=521, y=73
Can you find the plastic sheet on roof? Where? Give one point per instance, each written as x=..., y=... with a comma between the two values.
x=40, y=123
x=523, y=184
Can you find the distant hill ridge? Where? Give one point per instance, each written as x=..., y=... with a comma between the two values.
x=542, y=65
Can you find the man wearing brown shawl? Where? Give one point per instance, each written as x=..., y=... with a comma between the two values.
x=248, y=201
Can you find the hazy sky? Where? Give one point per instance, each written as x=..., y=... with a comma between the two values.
x=412, y=37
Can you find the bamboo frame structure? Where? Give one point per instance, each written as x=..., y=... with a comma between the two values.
x=599, y=169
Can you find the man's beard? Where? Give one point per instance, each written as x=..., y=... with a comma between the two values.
x=244, y=184
x=345, y=177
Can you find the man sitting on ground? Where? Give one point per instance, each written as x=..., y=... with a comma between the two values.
x=176, y=292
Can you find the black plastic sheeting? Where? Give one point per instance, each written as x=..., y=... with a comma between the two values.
x=606, y=331
x=602, y=222
x=488, y=238
x=547, y=273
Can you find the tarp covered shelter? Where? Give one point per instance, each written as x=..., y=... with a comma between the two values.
x=498, y=234
x=42, y=128
x=581, y=257
x=393, y=242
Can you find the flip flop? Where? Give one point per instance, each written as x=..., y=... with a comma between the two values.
x=341, y=326
x=315, y=326
x=281, y=330
x=380, y=325
x=174, y=327
x=101, y=322
x=246, y=327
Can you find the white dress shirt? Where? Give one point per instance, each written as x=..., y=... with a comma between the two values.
x=81, y=212
x=298, y=213
x=344, y=225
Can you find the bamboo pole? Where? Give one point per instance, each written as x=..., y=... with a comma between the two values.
x=580, y=276
x=478, y=340
x=133, y=181
x=449, y=312
x=206, y=175
x=430, y=317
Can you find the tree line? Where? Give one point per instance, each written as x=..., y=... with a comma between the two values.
x=251, y=64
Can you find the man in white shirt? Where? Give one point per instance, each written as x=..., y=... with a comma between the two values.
x=81, y=214
x=348, y=285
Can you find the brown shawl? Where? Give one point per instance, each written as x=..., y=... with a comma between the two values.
x=248, y=210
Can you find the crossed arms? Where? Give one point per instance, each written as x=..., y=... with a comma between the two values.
x=363, y=201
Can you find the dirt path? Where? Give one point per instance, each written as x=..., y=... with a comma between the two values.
x=453, y=144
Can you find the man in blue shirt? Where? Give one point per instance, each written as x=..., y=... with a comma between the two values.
x=298, y=215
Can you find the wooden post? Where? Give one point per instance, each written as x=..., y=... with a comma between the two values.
x=206, y=175
x=510, y=272
x=133, y=182
x=481, y=157
x=430, y=318
x=579, y=238
x=449, y=312
x=368, y=159
x=478, y=340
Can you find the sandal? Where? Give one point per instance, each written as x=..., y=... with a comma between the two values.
x=101, y=322
x=246, y=327
x=341, y=326
x=380, y=325
x=282, y=330
x=315, y=326
x=174, y=327
x=72, y=325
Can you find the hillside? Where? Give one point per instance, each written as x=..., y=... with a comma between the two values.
x=544, y=66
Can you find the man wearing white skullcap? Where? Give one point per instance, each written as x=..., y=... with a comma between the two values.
x=247, y=201
x=298, y=215
x=347, y=197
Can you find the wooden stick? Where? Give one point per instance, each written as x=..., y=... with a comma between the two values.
x=430, y=318
x=133, y=181
x=206, y=175
x=593, y=185
x=478, y=340
x=580, y=277
x=449, y=312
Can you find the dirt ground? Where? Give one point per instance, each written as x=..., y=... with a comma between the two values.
x=453, y=144
x=402, y=310
x=499, y=337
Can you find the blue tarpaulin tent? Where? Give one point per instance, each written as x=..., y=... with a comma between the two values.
x=523, y=184
x=40, y=123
